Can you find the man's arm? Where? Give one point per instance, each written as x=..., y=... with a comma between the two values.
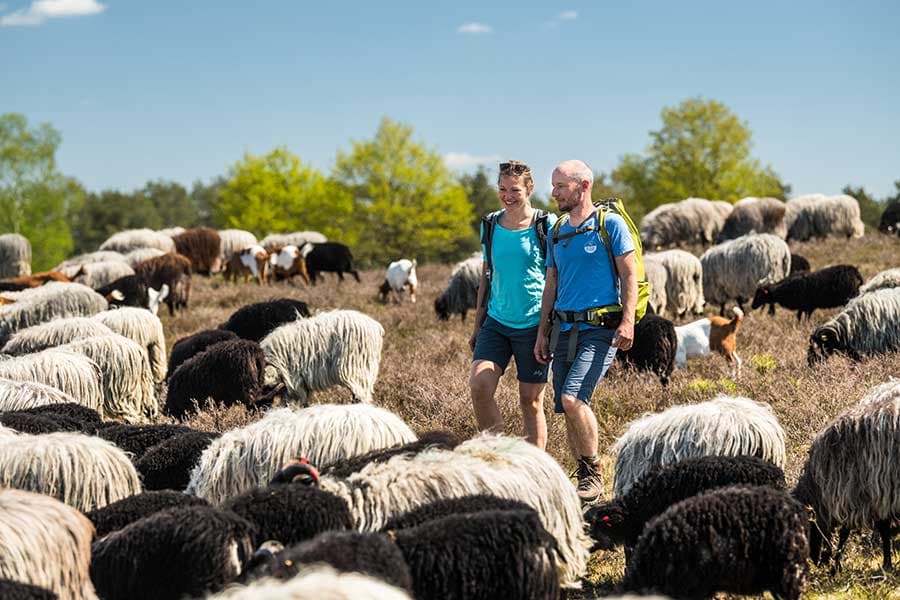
x=624, y=336
x=542, y=345
x=480, y=311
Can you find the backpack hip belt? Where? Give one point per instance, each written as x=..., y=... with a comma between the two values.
x=607, y=317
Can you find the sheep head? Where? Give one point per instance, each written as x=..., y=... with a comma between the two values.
x=762, y=296
x=822, y=343
x=297, y=471
x=607, y=524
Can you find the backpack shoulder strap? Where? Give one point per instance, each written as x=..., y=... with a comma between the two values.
x=602, y=210
x=488, y=224
x=540, y=229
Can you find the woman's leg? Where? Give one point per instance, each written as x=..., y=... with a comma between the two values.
x=531, y=398
x=483, y=385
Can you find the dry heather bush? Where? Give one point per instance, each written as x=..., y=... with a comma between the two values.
x=425, y=367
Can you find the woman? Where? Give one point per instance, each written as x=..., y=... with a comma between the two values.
x=507, y=326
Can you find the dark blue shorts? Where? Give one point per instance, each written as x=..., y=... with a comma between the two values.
x=498, y=343
x=592, y=359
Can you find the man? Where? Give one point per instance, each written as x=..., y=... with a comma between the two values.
x=590, y=309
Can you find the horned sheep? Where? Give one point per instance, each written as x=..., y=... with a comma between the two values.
x=130, y=239
x=817, y=216
x=15, y=256
x=868, y=325
x=734, y=269
x=754, y=215
x=461, y=294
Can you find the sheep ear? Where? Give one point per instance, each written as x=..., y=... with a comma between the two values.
x=117, y=295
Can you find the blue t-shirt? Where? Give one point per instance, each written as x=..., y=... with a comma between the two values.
x=517, y=283
x=585, y=277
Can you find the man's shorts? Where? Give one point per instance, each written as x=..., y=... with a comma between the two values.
x=592, y=359
x=498, y=343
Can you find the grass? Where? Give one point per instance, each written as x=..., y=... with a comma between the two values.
x=425, y=365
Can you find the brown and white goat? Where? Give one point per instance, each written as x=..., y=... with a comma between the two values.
x=714, y=334
x=287, y=261
x=252, y=262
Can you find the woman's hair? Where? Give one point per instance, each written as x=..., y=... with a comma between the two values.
x=515, y=168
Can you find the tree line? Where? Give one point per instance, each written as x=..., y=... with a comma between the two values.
x=386, y=197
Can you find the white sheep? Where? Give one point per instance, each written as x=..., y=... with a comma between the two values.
x=71, y=266
x=15, y=256
x=297, y=238
x=54, y=300
x=723, y=426
x=171, y=231
x=657, y=276
x=19, y=395
x=817, y=215
x=869, y=324
x=98, y=274
x=340, y=347
x=401, y=274
x=694, y=220
x=315, y=583
x=130, y=239
x=73, y=374
x=139, y=255
x=684, y=281
x=755, y=215
x=248, y=457
x=734, y=269
x=886, y=279
x=45, y=543
x=142, y=327
x=52, y=334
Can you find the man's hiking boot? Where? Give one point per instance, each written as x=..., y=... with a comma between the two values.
x=590, y=482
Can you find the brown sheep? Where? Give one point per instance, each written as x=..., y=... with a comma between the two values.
x=202, y=246
x=247, y=263
x=35, y=280
x=173, y=270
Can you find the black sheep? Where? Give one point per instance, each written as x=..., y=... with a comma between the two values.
x=890, y=219
x=137, y=439
x=178, y=552
x=229, y=372
x=826, y=288
x=168, y=464
x=256, y=321
x=37, y=424
x=329, y=257
x=126, y=511
x=88, y=418
x=192, y=345
x=15, y=590
x=130, y=290
x=621, y=520
x=453, y=506
x=740, y=540
x=799, y=264
x=654, y=347
x=291, y=513
x=443, y=440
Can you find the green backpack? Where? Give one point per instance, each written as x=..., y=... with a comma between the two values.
x=617, y=206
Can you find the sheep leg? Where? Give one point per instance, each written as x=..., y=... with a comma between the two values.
x=356, y=275
x=772, y=309
x=883, y=528
x=842, y=543
x=722, y=310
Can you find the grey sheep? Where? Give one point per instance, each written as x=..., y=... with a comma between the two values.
x=734, y=269
x=868, y=325
x=754, y=215
x=818, y=216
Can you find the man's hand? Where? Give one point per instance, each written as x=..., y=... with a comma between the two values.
x=542, y=348
x=624, y=336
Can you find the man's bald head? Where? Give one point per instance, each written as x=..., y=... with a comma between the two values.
x=576, y=169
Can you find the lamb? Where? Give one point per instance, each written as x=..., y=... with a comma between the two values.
x=248, y=457
x=742, y=540
x=621, y=520
x=137, y=439
x=249, y=262
x=203, y=247
x=168, y=464
x=754, y=215
x=171, y=270
x=657, y=276
x=799, y=264
x=54, y=300
x=869, y=324
x=818, y=216
x=98, y=274
x=45, y=543
x=826, y=288
x=328, y=257
x=430, y=439
x=286, y=262
x=15, y=256
x=229, y=372
x=75, y=375
x=256, y=321
x=128, y=240
x=132, y=290
x=52, y=334
x=886, y=279
x=691, y=221
x=82, y=471
x=194, y=344
x=340, y=347
x=734, y=269
x=143, y=328
x=723, y=426
x=234, y=240
x=716, y=334
x=684, y=282
x=401, y=274
x=890, y=219
x=317, y=583
x=124, y=512
x=139, y=255
x=18, y=395
x=654, y=347
x=135, y=563
x=461, y=293
x=297, y=238
x=850, y=476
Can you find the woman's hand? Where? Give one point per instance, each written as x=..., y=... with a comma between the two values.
x=472, y=339
x=542, y=348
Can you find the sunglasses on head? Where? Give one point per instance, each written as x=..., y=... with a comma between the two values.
x=517, y=168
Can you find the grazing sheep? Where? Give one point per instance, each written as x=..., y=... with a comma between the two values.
x=621, y=520
x=805, y=292
x=171, y=231
x=229, y=372
x=36, y=424
x=171, y=270
x=890, y=219
x=15, y=256
x=443, y=440
x=741, y=540
x=734, y=269
x=127, y=381
x=317, y=583
x=658, y=277
x=715, y=334
x=256, y=321
x=252, y=262
x=850, y=477
x=179, y=552
x=249, y=456
x=18, y=395
x=128, y=240
x=168, y=464
x=52, y=301
x=297, y=238
x=819, y=216
x=723, y=426
x=73, y=374
x=799, y=264
x=328, y=257
x=202, y=246
x=461, y=293
x=124, y=512
x=71, y=266
x=340, y=347
x=132, y=290
x=691, y=221
x=88, y=419
x=234, y=240
x=83, y=471
x=684, y=282
x=139, y=255
x=45, y=543
x=98, y=274
x=32, y=281
x=143, y=328
x=654, y=347
x=194, y=344
x=754, y=215
x=869, y=324
x=401, y=274
x=52, y=334
x=886, y=279
x=453, y=506
x=137, y=439
x=287, y=262
x=14, y=590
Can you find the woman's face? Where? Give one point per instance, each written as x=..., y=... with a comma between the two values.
x=512, y=191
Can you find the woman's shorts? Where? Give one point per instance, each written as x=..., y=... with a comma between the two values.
x=498, y=343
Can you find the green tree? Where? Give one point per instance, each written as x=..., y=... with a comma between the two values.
x=407, y=198
x=35, y=199
x=204, y=197
x=702, y=150
x=870, y=208
x=172, y=203
x=101, y=214
x=482, y=195
x=277, y=193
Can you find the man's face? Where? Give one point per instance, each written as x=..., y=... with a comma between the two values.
x=566, y=191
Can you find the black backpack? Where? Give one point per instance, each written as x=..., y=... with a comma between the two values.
x=489, y=221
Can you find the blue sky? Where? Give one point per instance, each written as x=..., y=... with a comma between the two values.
x=180, y=90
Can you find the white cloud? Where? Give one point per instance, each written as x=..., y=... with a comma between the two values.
x=41, y=10
x=474, y=28
x=568, y=15
x=461, y=160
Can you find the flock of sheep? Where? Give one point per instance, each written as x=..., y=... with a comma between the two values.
x=101, y=500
